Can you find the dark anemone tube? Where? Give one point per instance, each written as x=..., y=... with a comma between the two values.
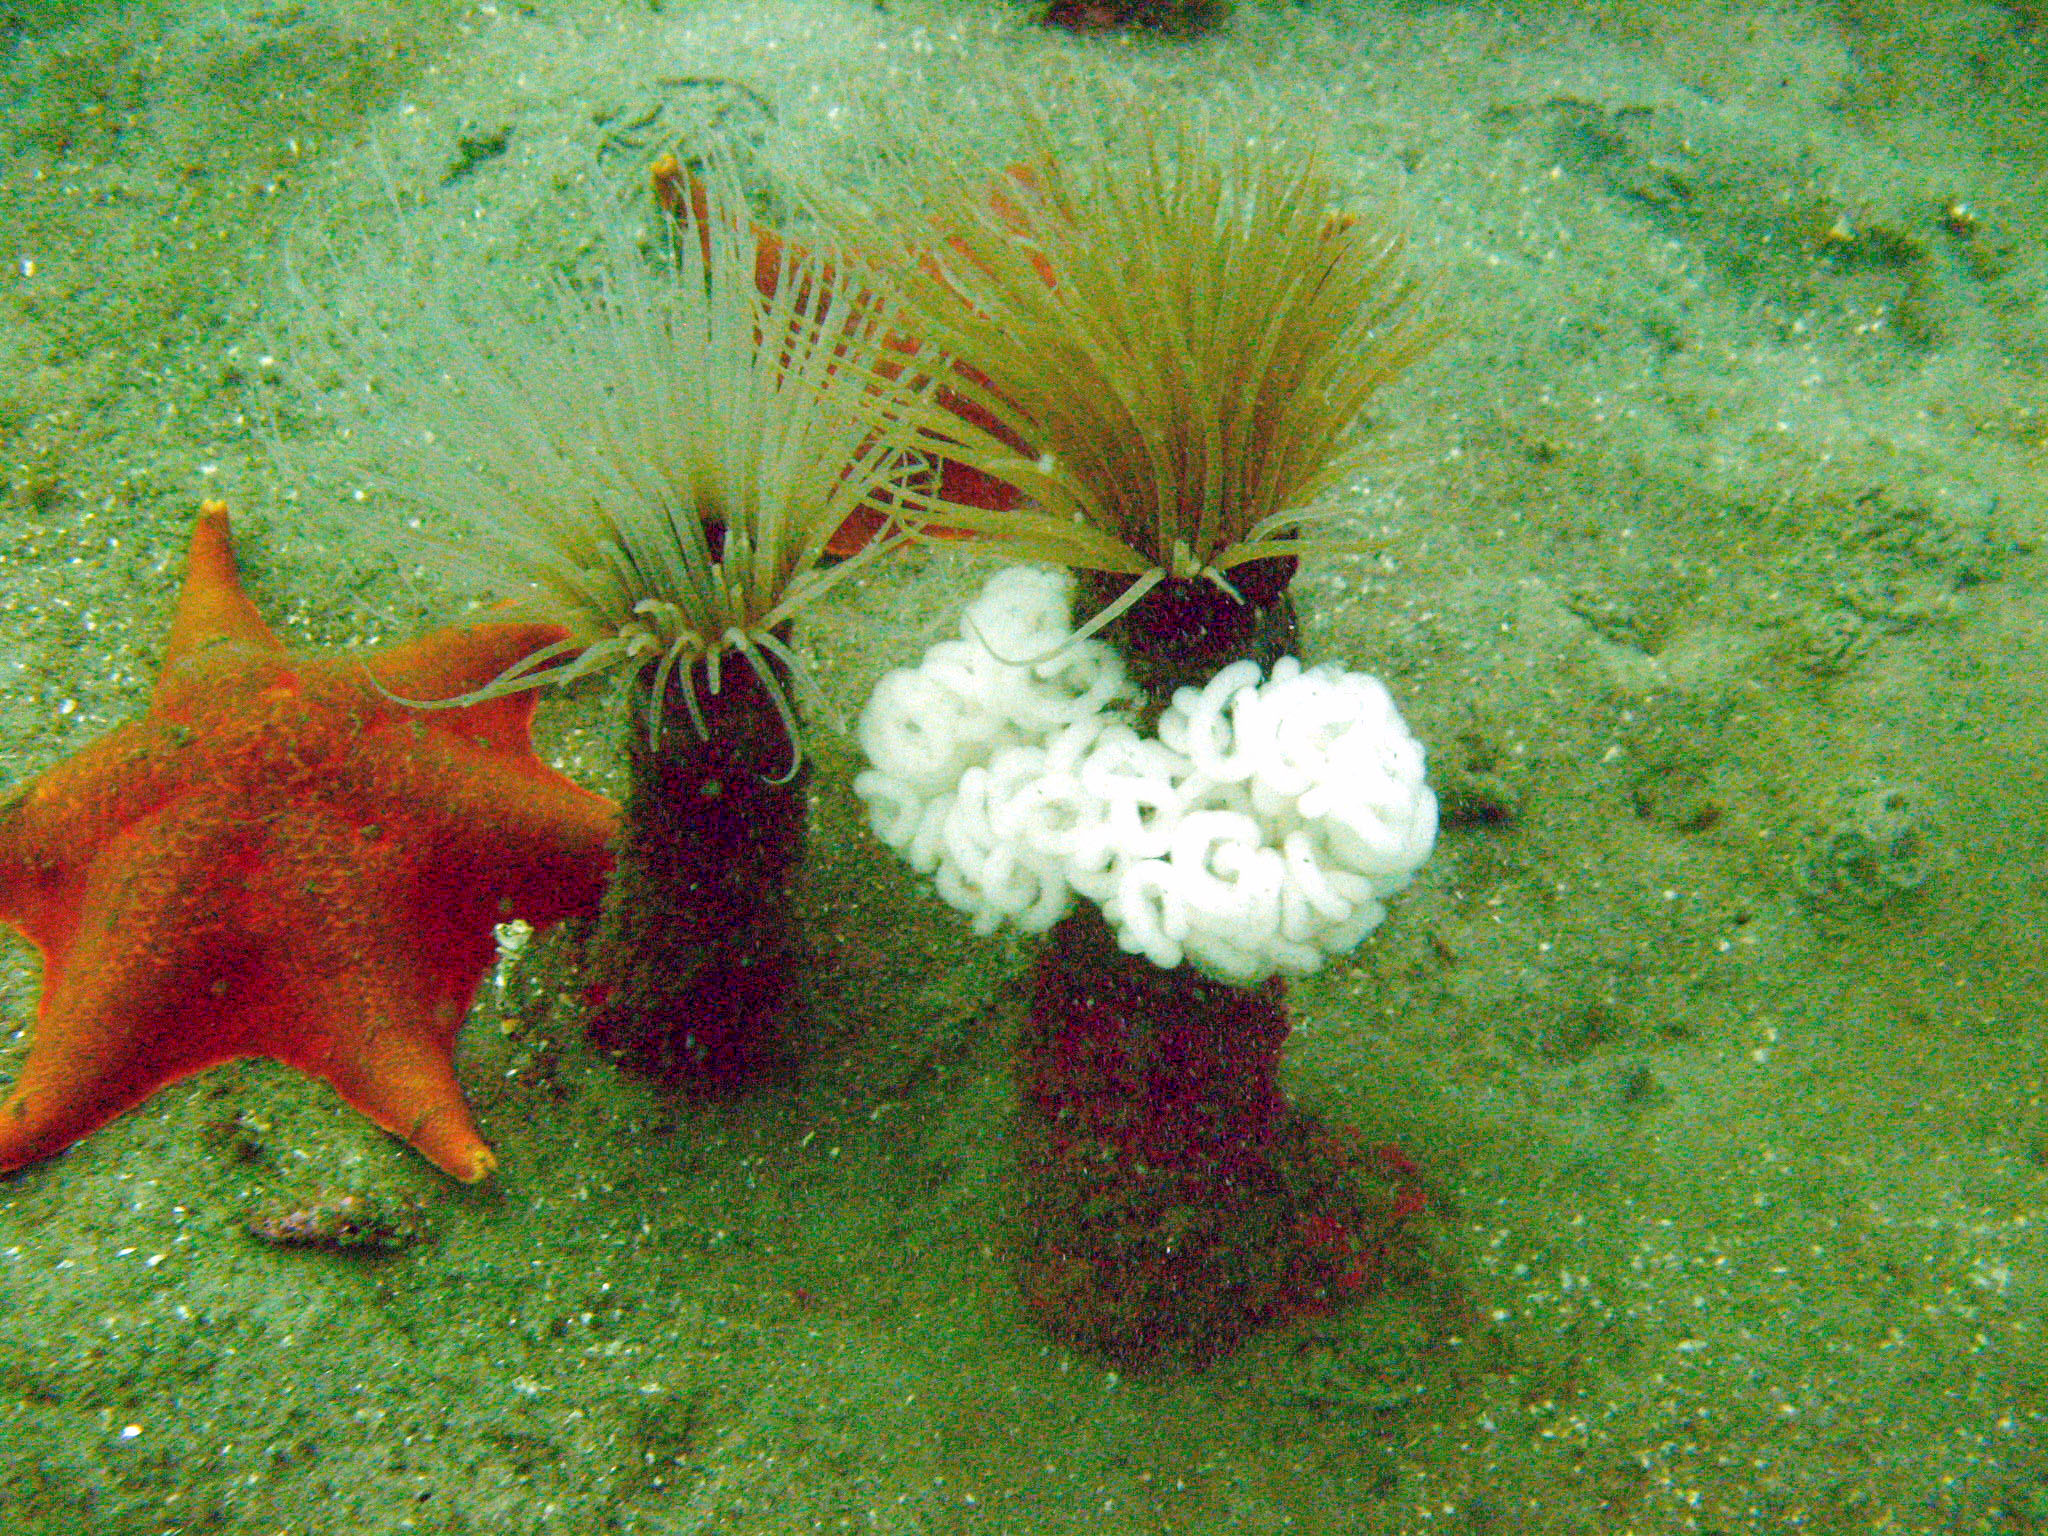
x=1173, y=1199
x=696, y=949
x=1174, y=18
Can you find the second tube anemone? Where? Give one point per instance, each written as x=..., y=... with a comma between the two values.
x=1175, y=18
x=661, y=456
x=1184, y=334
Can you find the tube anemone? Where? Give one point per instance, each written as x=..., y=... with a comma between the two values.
x=660, y=456
x=1174, y=18
x=1183, y=334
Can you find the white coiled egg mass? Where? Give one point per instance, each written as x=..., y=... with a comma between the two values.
x=1260, y=830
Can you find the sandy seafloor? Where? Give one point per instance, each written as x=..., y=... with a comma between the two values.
x=1708, y=570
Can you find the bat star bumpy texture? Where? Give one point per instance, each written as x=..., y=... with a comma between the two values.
x=284, y=858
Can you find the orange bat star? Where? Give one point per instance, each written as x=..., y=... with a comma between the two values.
x=282, y=859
